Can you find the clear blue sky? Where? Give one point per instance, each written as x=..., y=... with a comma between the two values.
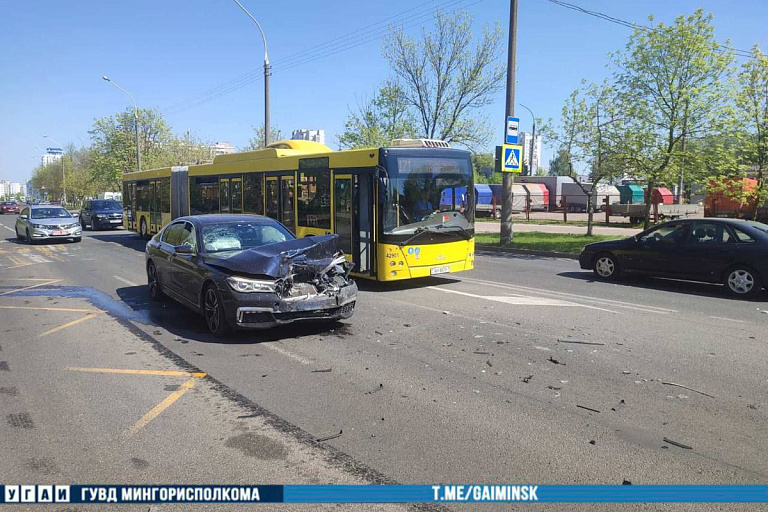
x=166, y=52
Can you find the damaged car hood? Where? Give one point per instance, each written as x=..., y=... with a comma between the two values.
x=278, y=260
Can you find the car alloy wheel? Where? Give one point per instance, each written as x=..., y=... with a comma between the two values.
x=153, y=283
x=742, y=282
x=214, y=312
x=605, y=266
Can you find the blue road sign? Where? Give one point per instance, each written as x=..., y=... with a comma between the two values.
x=513, y=126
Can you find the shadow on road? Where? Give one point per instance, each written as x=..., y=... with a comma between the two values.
x=667, y=285
x=188, y=325
x=127, y=239
x=16, y=241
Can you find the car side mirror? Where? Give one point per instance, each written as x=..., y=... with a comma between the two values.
x=184, y=249
x=73, y=214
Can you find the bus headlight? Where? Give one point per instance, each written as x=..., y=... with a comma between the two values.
x=243, y=285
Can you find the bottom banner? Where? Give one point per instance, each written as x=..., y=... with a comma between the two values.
x=442, y=493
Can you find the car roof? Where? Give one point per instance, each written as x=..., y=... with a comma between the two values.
x=44, y=206
x=216, y=218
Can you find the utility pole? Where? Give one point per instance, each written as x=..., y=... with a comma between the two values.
x=506, y=234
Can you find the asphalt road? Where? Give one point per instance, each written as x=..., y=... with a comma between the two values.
x=523, y=370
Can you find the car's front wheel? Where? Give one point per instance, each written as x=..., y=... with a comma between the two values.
x=606, y=266
x=30, y=240
x=214, y=312
x=742, y=281
x=153, y=283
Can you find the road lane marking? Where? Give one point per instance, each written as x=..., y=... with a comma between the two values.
x=68, y=310
x=129, y=283
x=729, y=319
x=23, y=265
x=166, y=373
x=30, y=287
x=608, y=302
x=287, y=353
x=160, y=408
x=522, y=300
x=68, y=324
x=9, y=229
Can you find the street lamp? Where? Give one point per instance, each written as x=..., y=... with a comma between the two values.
x=533, y=140
x=63, y=178
x=135, y=120
x=266, y=75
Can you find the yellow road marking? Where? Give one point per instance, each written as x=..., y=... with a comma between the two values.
x=171, y=373
x=160, y=408
x=15, y=261
x=22, y=265
x=68, y=310
x=30, y=287
x=68, y=324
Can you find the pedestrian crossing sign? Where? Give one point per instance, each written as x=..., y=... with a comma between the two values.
x=513, y=158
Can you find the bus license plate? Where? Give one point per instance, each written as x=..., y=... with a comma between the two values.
x=439, y=270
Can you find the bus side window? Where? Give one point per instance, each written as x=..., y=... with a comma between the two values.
x=253, y=197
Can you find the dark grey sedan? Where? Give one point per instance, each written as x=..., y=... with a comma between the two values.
x=247, y=271
x=728, y=251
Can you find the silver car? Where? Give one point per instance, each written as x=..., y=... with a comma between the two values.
x=46, y=222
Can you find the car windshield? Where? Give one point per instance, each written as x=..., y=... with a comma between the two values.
x=421, y=191
x=239, y=235
x=759, y=225
x=106, y=205
x=50, y=213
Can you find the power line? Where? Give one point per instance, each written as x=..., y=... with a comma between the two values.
x=629, y=24
x=332, y=47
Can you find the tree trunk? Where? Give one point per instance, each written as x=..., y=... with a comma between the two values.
x=648, y=202
x=590, y=213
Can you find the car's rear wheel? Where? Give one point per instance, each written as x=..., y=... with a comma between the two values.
x=153, y=283
x=606, y=266
x=742, y=281
x=214, y=312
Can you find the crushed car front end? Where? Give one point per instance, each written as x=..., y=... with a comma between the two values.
x=300, y=280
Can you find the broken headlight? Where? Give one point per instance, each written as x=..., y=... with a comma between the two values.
x=241, y=284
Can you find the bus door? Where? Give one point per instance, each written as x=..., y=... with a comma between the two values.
x=129, y=206
x=353, y=218
x=236, y=195
x=224, y=195
x=313, y=202
x=155, y=207
x=279, y=198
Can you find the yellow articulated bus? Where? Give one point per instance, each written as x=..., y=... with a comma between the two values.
x=401, y=212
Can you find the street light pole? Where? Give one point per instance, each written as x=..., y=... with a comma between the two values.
x=63, y=178
x=533, y=141
x=135, y=121
x=266, y=75
x=506, y=233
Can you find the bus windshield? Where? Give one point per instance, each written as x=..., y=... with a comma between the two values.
x=428, y=192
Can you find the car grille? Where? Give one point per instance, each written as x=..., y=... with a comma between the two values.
x=60, y=226
x=115, y=215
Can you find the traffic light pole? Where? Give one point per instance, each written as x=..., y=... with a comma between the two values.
x=507, y=234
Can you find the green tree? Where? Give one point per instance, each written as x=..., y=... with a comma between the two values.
x=446, y=79
x=481, y=164
x=257, y=141
x=671, y=78
x=378, y=121
x=560, y=165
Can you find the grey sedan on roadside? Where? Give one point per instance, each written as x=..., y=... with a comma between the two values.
x=45, y=222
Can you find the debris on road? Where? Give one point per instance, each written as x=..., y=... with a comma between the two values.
x=481, y=353
x=593, y=442
x=488, y=362
x=686, y=387
x=553, y=388
x=586, y=408
x=577, y=342
x=325, y=370
x=555, y=361
x=157, y=332
x=618, y=405
x=334, y=436
x=625, y=372
x=375, y=390
x=752, y=406
x=626, y=482
x=527, y=379
x=679, y=445
x=379, y=333
x=446, y=312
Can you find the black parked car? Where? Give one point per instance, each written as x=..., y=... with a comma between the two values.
x=729, y=251
x=247, y=271
x=101, y=214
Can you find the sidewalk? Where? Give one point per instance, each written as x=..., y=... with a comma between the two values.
x=493, y=227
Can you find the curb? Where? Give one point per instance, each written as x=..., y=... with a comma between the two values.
x=530, y=252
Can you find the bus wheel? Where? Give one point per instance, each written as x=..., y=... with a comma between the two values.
x=143, y=233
